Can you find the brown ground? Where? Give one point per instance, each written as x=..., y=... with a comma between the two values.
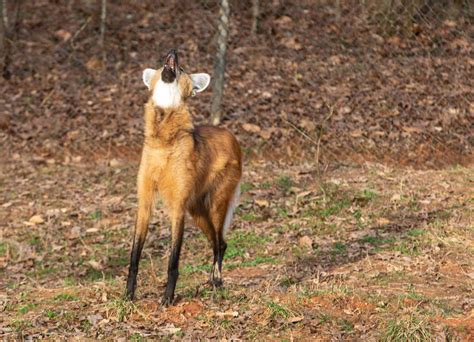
x=346, y=255
x=370, y=238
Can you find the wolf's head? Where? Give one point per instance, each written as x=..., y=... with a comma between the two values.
x=170, y=85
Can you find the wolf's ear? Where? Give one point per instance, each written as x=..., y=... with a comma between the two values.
x=147, y=76
x=200, y=82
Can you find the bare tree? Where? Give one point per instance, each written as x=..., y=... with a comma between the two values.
x=255, y=16
x=338, y=10
x=4, y=13
x=2, y=34
x=103, y=18
x=3, y=39
x=8, y=30
x=219, y=66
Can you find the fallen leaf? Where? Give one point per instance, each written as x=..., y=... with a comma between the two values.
x=304, y=194
x=382, y=221
x=74, y=233
x=251, y=128
x=192, y=309
x=356, y=133
x=63, y=35
x=295, y=319
x=412, y=129
x=115, y=163
x=291, y=43
x=305, y=242
x=36, y=219
x=227, y=314
x=93, y=319
x=266, y=133
x=95, y=265
x=94, y=64
x=396, y=198
x=262, y=203
x=283, y=20
x=170, y=329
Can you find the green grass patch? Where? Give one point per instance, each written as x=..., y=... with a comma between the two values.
x=416, y=232
x=245, y=187
x=191, y=269
x=43, y=271
x=249, y=216
x=3, y=248
x=377, y=240
x=277, y=310
x=407, y=248
x=136, y=337
x=34, y=240
x=407, y=244
x=69, y=316
x=221, y=293
x=282, y=212
x=325, y=318
x=25, y=308
x=407, y=329
x=51, y=314
x=96, y=215
x=357, y=214
x=333, y=207
x=339, y=248
x=287, y=282
x=284, y=183
x=118, y=257
x=68, y=281
x=368, y=195
x=239, y=242
x=65, y=297
x=257, y=261
x=20, y=324
x=94, y=275
x=122, y=308
x=345, y=325
x=233, y=251
x=412, y=295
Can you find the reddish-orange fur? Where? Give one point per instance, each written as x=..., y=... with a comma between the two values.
x=193, y=169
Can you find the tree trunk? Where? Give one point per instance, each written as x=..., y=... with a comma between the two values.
x=8, y=29
x=4, y=43
x=2, y=35
x=219, y=66
x=4, y=13
x=255, y=16
x=338, y=10
x=103, y=18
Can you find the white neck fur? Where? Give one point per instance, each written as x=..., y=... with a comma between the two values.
x=166, y=95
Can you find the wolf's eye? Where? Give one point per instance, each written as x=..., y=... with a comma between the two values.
x=181, y=69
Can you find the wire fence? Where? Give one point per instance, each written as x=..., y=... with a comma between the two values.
x=383, y=79
x=396, y=73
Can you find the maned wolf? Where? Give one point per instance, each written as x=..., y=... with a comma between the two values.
x=195, y=169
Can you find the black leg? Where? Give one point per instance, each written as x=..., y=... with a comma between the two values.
x=214, y=271
x=145, y=205
x=222, y=248
x=177, y=231
x=216, y=274
x=133, y=269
